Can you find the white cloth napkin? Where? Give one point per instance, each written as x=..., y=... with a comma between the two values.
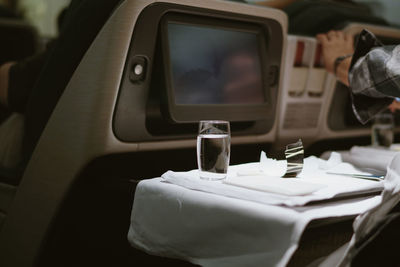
x=259, y=182
x=368, y=158
x=289, y=187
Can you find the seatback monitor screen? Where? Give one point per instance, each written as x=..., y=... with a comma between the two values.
x=215, y=68
x=214, y=65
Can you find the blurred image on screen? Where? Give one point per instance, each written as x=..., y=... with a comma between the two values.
x=214, y=65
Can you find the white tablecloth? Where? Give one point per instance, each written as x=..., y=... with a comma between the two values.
x=212, y=230
x=220, y=224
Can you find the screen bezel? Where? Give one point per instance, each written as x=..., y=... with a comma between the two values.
x=181, y=113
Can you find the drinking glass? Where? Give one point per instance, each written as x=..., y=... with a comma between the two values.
x=382, y=130
x=213, y=149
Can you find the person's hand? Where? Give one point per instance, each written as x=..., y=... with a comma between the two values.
x=394, y=106
x=335, y=44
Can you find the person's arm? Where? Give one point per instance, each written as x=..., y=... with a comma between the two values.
x=394, y=106
x=337, y=50
x=377, y=73
x=4, y=80
x=342, y=71
x=372, y=72
x=375, y=81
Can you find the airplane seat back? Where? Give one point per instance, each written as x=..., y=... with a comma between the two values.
x=105, y=115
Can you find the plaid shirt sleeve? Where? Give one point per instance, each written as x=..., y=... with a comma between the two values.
x=374, y=76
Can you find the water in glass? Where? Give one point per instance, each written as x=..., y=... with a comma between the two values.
x=213, y=152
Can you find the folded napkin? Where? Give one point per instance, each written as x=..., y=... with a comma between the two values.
x=192, y=181
x=371, y=159
x=259, y=182
x=288, y=187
